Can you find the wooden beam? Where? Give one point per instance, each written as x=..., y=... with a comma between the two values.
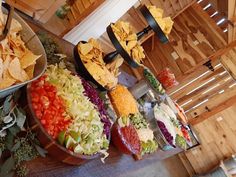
x=217, y=109
x=214, y=57
x=183, y=9
x=223, y=51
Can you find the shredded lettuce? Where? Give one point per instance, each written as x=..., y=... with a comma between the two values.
x=86, y=119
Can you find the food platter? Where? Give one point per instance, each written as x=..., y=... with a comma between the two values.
x=89, y=62
x=56, y=120
x=119, y=50
x=152, y=81
x=33, y=43
x=131, y=132
x=54, y=149
x=153, y=24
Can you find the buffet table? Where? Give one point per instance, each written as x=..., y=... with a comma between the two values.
x=115, y=164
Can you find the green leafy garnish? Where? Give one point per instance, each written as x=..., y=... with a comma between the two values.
x=149, y=147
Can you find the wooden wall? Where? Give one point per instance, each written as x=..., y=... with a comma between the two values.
x=218, y=135
x=205, y=92
x=229, y=62
x=195, y=37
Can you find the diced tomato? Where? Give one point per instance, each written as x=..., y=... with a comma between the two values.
x=49, y=108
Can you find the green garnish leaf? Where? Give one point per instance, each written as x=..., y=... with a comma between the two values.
x=20, y=120
x=7, y=106
x=42, y=152
x=16, y=146
x=7, y=166
x=9, y=141
x=14, y=130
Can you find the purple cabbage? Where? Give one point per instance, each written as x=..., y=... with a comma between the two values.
x=93, y=96
x=169, y=138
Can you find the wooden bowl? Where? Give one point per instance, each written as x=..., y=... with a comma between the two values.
x=54, y=149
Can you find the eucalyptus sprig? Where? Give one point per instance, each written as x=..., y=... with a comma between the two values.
x=20, y=148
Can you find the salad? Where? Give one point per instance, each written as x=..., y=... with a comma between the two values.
x=165, y=125
x=67, y=98
x=155, y=84
x=146, y=136
x=169, y=126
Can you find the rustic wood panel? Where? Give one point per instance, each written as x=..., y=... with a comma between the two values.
x=232, y=18
x=41, y=11
x=213, y=102
x=79, y=10
x=194, y=38
x=229, y=62
x=217, y=134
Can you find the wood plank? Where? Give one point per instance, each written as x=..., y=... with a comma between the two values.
x=213, y=101
x=83, y=15
x=50, y=11
x=208, y=76
x=214, y=111
x=229, y=63
x=214, y=57
x=187, y=164
x=198, y=96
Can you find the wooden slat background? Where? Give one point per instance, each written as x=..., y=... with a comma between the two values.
x=229, y=62
x=195, y=37
x=217, y=134
x=231, y=8
x=80, y=9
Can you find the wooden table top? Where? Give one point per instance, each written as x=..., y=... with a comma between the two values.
x=115, y=164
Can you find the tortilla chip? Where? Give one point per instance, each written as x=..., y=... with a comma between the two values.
x=132, y=44
x=28, y=59
x=30, y=71
x=24, y=75
x=7, y=83
x=15, y=69
x=164, y=23
x=85, y=48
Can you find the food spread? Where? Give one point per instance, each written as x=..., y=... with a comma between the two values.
x=67, y=113
x=69, y=108
x=128, y=40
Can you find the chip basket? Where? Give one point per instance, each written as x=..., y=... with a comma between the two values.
x=32, y=42
x=82, y=70
x=153, y=24
x=119, y=50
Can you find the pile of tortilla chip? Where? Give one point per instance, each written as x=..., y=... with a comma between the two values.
x=128, y=40
x=165, y=23
x=92, y=56
x=16, y=60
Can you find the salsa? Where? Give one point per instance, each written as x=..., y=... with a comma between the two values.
x=126, y=139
